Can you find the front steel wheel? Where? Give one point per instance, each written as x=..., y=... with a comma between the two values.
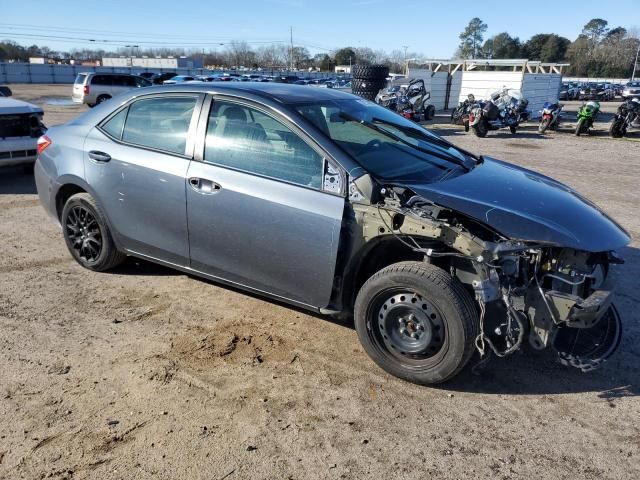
x=416, y=322
x=87, y=235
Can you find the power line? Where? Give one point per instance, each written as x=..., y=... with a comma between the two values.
x=143, y=42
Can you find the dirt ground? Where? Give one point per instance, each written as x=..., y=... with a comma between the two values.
x=149, y=373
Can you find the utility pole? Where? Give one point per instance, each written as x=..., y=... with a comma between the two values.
x=291, y=54
x=405, y=59
x=635, y=64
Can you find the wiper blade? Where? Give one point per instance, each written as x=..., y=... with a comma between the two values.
x=443, y=156
x=393, y=136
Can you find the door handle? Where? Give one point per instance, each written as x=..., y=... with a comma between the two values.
x=204, y=186
x=99, y=156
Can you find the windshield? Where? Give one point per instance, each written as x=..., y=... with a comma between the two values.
x=387, y=145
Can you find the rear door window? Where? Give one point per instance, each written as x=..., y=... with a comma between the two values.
x=101, y=80
x=160, y=123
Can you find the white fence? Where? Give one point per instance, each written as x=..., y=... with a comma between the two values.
x=444, y=90
x=39, y=73
x=537, y=88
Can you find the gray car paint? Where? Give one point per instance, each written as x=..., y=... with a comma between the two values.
x=143, y=194
x=242, y=235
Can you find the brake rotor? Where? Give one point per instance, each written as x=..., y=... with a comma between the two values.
x=588, y=348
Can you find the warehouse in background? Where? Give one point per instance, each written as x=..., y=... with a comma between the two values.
x=152, y=62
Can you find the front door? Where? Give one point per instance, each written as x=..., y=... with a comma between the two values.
x=257, y=211
x=137, y=163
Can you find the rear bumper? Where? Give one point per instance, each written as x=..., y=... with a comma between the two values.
x=17, y=151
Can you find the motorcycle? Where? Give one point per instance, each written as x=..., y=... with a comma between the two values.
x=460, y=115
x=410, y=101
x=506, y=109
x=628, y=115
x=551, y=113
x=587, y=114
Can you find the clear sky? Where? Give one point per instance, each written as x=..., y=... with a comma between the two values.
x=427, y=27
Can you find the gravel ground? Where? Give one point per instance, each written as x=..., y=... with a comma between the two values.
x=148, y=373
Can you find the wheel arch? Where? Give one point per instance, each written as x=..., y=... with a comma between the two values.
x=69, y=185
x=373, y=256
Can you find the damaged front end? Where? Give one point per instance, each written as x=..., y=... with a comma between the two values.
x=527, y=291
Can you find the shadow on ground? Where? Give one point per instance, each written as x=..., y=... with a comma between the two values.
x=15, y=181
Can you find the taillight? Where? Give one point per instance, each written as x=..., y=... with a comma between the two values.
x=43, y=143
x=86, y=89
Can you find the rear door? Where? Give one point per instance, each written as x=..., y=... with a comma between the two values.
x=78, y=87
x=122, y=83
x=259, y=211
x=137, y=161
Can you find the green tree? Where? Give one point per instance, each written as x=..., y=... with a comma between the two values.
x=322, y=61
x=554, y=49
x=502, y=45
x=344, y=56
x=546, y=47
x=595, y=29
x=471, y=39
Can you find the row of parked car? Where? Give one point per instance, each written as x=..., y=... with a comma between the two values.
x=601, y=92
x=94, y=88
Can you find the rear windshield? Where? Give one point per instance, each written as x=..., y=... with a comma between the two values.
x=80, y=79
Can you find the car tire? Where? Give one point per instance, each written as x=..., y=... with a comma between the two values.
x=369, y=71
x=513, y=130
x=102, y=99
x=87, y=234
x=425, y=300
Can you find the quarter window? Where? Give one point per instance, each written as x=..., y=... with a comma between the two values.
x=247, y=139
x=114, y=125
x=160, y=123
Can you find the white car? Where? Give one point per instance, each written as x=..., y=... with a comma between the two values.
x=20, y=127
x=631, y=90
x=181, y=79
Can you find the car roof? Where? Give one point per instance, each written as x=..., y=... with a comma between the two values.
x=279, y=92
x=109, y=73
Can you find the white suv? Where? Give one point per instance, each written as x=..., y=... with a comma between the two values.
x=94, y=88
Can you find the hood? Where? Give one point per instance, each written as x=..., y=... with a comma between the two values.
x=524, y=205
x=11, y=106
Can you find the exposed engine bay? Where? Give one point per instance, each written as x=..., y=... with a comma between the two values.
x=527, y=292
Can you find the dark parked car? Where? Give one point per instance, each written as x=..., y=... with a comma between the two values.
x=159, y=78
x=317, y=198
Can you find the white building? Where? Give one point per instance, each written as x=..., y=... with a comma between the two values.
x=152, y=62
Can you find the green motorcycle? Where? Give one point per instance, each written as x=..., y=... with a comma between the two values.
x=587, y=114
